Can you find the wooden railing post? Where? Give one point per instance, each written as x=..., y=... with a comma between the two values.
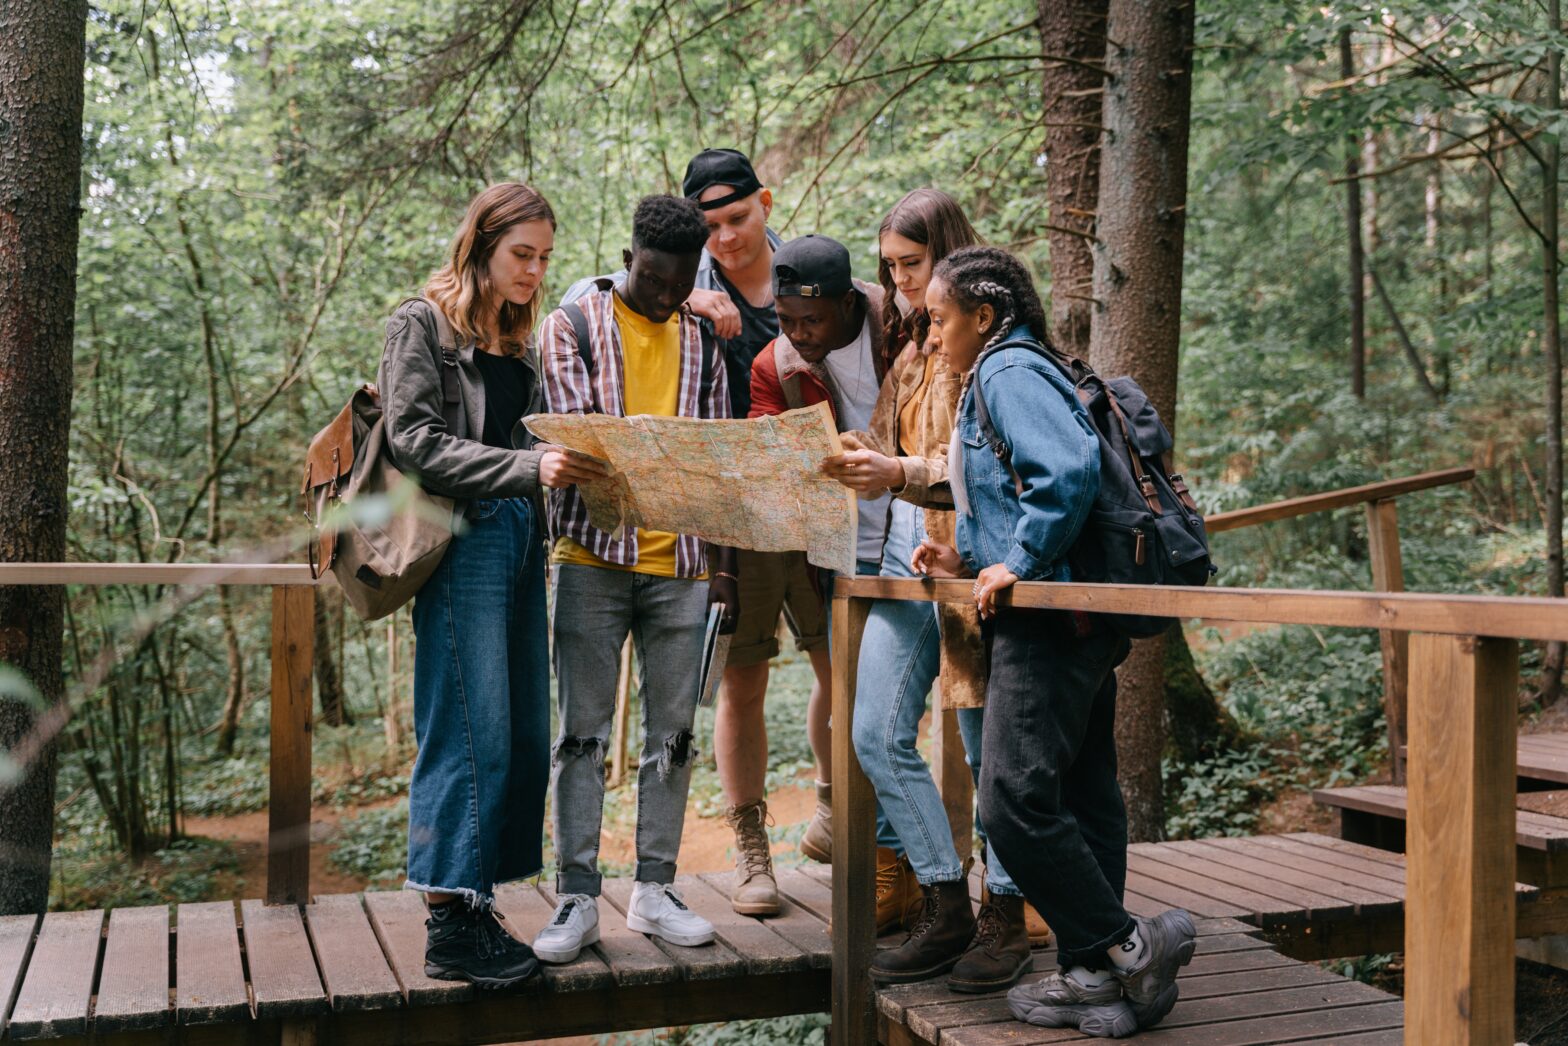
x=854, y=845
x=288, y=809
x=1388, y=575
x=1459, y=910
x=953, y=780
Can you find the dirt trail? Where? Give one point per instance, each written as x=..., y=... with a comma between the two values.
x=705, y=843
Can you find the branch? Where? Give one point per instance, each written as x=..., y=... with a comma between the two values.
x=1404, y=338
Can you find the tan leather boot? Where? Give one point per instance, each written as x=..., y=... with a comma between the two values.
x=899, y=897
x=817, y=843
x=1035, y=925
x=756, y=891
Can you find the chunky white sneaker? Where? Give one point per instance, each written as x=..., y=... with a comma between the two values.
x=657, y=909
x=574, y=927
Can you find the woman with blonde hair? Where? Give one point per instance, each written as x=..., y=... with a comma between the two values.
x=457, y=376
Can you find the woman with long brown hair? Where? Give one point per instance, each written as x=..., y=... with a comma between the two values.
x=457, y=376
x=906, y=645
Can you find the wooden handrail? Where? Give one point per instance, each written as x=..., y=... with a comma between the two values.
x=1332, y=499
x=1521, y=617
x=1464, y=655
x=155, y=574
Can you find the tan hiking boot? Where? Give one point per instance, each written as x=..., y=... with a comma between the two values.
x=899, y=897
x=756, y=891
x=817, y=843
x=1035, y=925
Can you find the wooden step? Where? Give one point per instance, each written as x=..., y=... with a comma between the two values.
x=1535, y=831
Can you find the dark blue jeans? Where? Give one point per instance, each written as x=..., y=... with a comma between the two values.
x=481, y=708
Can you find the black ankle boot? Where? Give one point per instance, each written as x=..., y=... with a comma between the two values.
x=462, y=944
x=938, y=941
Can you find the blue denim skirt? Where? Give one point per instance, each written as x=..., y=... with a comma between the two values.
x=481, y=708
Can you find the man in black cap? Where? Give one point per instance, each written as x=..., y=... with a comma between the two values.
x=830, y=349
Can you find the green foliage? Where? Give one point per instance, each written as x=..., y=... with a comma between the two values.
x=185, y=870
x=1220, y=795
x=808, y=1029
x=373, y=844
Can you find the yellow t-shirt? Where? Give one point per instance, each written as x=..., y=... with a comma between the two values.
x=651, y=372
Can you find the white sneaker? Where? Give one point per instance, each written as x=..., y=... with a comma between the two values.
x=657, y=909
x=574, y=927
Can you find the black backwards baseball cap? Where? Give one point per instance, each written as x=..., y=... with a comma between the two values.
x=811, y=267
x=719, y=167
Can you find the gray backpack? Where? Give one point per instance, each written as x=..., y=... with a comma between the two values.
x=381, y=554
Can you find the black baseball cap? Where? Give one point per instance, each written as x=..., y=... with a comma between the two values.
x=811, y=267
x=719, y=167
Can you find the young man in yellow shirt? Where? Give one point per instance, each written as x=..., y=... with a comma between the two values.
x=644, y=354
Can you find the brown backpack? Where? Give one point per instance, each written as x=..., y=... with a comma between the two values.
x=374, y=528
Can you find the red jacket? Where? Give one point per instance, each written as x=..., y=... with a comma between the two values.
x=782, y=380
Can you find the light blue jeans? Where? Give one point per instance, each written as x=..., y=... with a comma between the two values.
x=900, y=656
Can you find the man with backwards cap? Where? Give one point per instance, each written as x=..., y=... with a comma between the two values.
x=829, y=349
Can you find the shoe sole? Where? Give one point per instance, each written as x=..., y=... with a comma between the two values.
x=653, y=929
x=816, y=853
x=556, y=958
x=879, y=977
x=756, y=907
x=1100, y=1025
x=996, y=984
x=489, y=984
x=1153, y=1013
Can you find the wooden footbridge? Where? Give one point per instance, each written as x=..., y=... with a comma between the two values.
x=303, y=969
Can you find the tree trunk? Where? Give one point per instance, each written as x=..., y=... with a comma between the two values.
x=42, y=43
x=329, y=681
x=1357, y=284
x=1551, y=336
x=1137, y=288
x=1071, y=96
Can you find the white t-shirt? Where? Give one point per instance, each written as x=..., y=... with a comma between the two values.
x=854, y=375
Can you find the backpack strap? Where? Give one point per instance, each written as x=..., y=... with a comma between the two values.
x=451, y=390
x=579, y=321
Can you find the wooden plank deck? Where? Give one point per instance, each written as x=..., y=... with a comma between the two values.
x=349, y=969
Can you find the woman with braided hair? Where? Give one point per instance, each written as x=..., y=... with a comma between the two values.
x=1048, y=792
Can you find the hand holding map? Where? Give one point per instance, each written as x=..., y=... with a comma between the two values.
x=754, y=484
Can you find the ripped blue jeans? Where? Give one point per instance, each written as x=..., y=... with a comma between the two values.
x=481, y=708
x=594, y=608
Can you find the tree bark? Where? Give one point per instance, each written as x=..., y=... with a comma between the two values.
x=1071, y=97
x=1551, y=336
x=1137, y=291
x=329, y=681
x=1357, y=282
x=42, y=44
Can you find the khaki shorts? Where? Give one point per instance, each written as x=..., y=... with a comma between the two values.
x=771, y=582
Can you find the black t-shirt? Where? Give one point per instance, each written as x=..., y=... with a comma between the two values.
x=758, y=326
x=508, y=388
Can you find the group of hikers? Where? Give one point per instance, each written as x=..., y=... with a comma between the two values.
x=714, y=316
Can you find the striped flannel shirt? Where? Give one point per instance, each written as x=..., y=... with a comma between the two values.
x=569, y=388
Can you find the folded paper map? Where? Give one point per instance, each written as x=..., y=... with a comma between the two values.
x=752, y=484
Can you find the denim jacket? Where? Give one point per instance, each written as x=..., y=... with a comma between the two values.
x=1028, y=516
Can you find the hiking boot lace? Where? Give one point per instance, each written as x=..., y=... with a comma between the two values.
x=493, y=937
x=930, y=908
x=751, y=827
x=990, y=925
